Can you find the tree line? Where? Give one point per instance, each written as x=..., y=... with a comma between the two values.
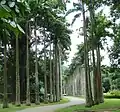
x=30, y=74
x=95, y=31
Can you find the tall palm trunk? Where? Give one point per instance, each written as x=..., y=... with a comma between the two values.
x=90, y=87
x=95, y=78
x=100, y=89
x=17, y=74
x=51, y=87
x=88, y=100
x=54, y=85
x=95, y=83
x=27, y=66
x=60, y=75
x=37, y=100
x=45, y=75
x=5, y=102
x=57, y=71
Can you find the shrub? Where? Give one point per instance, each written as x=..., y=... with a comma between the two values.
x=112, y=94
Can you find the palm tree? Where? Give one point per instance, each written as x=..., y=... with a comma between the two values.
x=100, y=89
x=80, y=8
x=37, y=100
x=27, y=65
x=51, y=87
x=5, y=102
x=17, y=74
x=88, y=93
x=96, y=68
x=54, y=86
x=45, y=75
x=56, y=70
x=60, y=72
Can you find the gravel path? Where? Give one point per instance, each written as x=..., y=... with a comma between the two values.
x=52, y=108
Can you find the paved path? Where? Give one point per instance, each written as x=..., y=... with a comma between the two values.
x=52, y=108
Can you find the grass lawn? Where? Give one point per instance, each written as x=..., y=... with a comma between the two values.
x=110, y=105
x=13, y=108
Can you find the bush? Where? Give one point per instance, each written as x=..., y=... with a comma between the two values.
x=112, y=94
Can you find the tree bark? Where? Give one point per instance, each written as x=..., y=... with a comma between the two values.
x=27, y=66
x=95, y=78
x=88, y=100
x=100, y=89
x=89, y=80
x=45, y=75
x=5, y=97
x=57, y=72
x=54, y=86
x=51, y=87
x=37, y=100
x=60, y=75
x=17, y=74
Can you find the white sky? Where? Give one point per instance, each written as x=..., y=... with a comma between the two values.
x=74, y=36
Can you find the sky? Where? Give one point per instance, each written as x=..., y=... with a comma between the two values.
x=74, y=36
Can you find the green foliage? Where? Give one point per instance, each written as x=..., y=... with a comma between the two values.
x=106, y=84
x=112, y=94
x=110, y=78
x=77, y=8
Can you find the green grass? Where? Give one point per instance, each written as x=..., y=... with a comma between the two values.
x=64, y=100
x=109, y=104
x=13, y=108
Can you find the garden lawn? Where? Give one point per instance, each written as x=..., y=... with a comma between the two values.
x=13, y=108
x=110, y=105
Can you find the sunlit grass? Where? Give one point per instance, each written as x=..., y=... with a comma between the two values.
x=109, y=104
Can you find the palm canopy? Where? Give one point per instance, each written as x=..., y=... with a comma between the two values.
x=10, y=11
x=77, y=8
x=101, y=30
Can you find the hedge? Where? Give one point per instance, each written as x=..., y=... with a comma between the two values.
x=112, y=94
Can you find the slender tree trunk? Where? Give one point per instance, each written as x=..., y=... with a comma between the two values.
x=88, y=100
x=95, y=84
x=45, y=75
x=17, y=74
x=85, y=54
x=51, y=87
x=91, y=63
x=54, y=86
x=57, y=71
x=60, y=75
x=27, y=66
x=95, y=79
x=90, y=88
x=37, y=100
x=100, y=89
x=5, y=98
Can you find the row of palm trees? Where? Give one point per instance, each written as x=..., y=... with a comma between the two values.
x=93, y=31
x=55, y=35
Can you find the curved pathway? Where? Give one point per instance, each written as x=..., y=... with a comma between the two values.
x=52, y=108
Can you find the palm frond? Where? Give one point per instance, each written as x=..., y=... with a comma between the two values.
x=78, y=6
x=75, y=17
x=71, y=11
